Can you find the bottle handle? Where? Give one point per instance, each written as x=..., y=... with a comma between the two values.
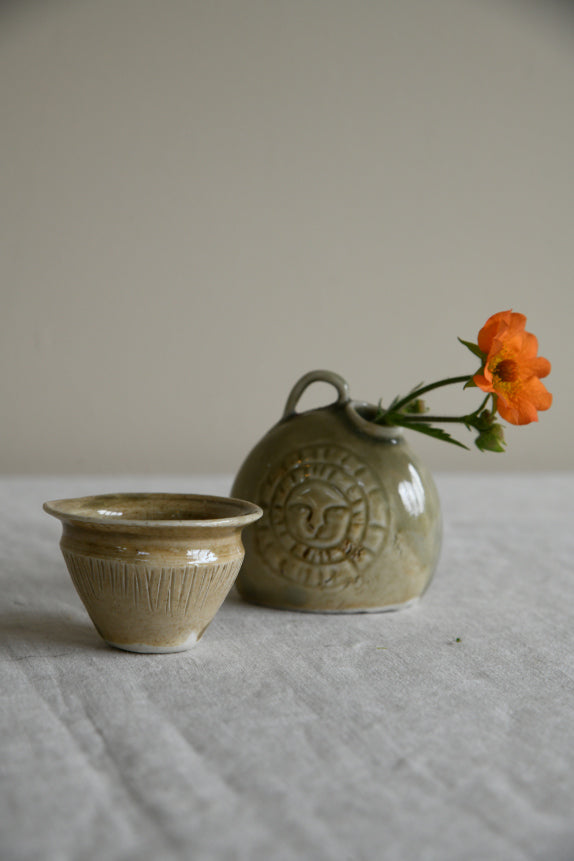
x=317, y=377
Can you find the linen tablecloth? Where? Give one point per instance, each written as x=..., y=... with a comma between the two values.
x=445, y=731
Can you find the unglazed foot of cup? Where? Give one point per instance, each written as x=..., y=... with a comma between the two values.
x=144, y=648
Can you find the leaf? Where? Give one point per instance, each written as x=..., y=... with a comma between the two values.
x=429, y=430
x=474, y=348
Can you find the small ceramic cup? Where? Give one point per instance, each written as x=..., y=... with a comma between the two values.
x=152, y=569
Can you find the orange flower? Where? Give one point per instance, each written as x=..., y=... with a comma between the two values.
x=512, y=370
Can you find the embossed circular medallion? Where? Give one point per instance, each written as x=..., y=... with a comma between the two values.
x=325, y=517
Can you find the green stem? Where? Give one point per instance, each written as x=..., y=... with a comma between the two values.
x=424, y=417
x=484, y=403
x=418, y=392
x=465, y=420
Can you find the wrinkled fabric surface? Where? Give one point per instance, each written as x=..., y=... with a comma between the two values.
x=441, y=732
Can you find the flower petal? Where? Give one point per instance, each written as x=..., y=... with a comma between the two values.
x=538, y=367
x=529, y=345
x=491, y=328
x=483, y=381
x=505, y=324
x=518, y=411
x=538, y=394
x=520, y=406
x=517, y=322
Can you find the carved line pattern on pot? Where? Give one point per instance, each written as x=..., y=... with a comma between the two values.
x=171, y=589
x=325, y=519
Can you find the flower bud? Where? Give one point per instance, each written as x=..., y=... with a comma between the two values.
x=417, y=406
x=491, y=439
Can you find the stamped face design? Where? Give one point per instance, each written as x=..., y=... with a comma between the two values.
x=317, y=514
x=325, y=517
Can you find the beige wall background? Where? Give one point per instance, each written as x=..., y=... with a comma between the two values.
x=201, y=201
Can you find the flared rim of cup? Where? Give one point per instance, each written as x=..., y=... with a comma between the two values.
x=155, y=510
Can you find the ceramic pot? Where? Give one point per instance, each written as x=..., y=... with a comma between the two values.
x=351, y=518
x=152, y=569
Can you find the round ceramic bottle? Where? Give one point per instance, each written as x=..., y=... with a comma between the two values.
x=351, y=517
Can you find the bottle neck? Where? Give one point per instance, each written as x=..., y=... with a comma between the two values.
x=361, y=415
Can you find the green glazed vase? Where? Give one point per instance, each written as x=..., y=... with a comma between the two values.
x=351, y=518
